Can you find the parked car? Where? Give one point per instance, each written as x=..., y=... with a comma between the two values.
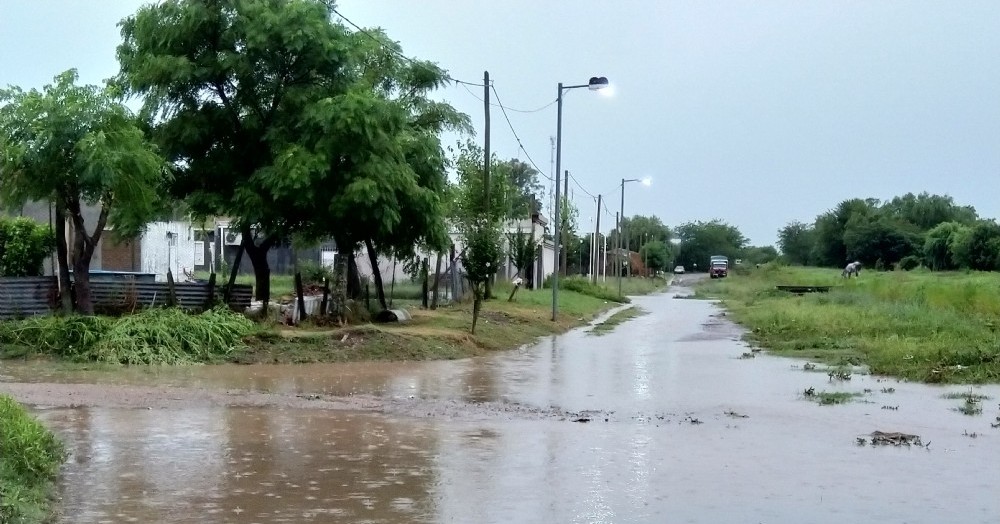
x=679, y=270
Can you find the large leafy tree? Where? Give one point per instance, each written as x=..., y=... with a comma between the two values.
x=829, y=248
x=640, y=229
x=701, y=240
x=76, y=146
x=380, y=171
x=656, y=255
x=288, y=123
x=796, y=241
x=878, y=237
x=978, y=246
x=937, y=249
x=926, y=211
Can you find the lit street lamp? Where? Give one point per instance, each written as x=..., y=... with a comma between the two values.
x=646, y=182
x=596, y=83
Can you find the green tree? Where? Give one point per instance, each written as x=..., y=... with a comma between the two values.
x=938, y=242
x=524, y=180
x=75, y=146
x=874, y=237
x=829, y=247
x=284, y=120
x=24, y=245
x=797, y=241
x=754, y=255
x=640, y=229
x=701, y=240
x=925, y=211
x=977, y=247
x=481, y=257
x=656, y=255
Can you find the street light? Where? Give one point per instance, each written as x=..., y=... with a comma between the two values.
x=596, y=83
x=646, y=182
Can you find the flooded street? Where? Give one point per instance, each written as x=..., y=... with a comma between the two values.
x=658, y=421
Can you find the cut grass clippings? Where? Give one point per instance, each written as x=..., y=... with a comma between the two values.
x=918, y=325
x=30, y=457
x=609, y=324
x=826, y=398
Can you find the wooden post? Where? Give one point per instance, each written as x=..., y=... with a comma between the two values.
x=424, y=270
x=326, y=297
x=437, y=280
x=171, y=290
x=210, y=302
x=233, y=272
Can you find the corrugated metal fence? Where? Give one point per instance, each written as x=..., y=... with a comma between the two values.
x=27, y=296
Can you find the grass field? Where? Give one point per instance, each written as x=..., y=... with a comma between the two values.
x=918, y=325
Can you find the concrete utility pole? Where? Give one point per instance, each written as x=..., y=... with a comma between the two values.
x=565, y=248
x=486, y=140
x=486, y=164
x=597, y=235
x=618, y=251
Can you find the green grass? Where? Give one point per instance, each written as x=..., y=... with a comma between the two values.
x=153, y=336
x=919, y=325
x=616, y=319
x=440, y=334
x=30, y=457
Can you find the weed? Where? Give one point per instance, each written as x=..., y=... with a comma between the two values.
x=30, y=456
x=825, y=398
x=616, y=319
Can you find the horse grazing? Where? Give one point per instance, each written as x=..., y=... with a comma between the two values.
x=854, y=268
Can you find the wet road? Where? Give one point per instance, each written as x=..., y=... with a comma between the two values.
x=493, y=439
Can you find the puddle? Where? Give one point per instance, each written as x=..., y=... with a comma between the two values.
x=490, y=439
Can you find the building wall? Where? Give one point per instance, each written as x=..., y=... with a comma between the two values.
x=41, y=212
x=158, y=254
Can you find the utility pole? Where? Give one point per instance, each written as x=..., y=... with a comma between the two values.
x=597, y=234
x=565, y=210
x=486, y=164
x=618, y=251
x=486, y=139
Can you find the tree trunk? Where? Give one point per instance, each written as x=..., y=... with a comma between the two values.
x=261, y=267
x=424, y=269
x=354, y=290
x=341, y=293
x=437, y=281
x=81, y=273
x=376, y=274
x=62, y=259
x=477, y=304
x=233, y=272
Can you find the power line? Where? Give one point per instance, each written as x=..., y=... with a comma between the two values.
x=501, y=106
x=578, y=184
x=516, y=137
x=394, y=50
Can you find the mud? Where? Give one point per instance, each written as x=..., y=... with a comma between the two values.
x=657, y=421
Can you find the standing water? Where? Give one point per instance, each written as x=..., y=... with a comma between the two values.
x=658, y=421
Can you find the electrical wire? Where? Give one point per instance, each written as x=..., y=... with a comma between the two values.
x=518, y=138
x=394, y=50
x=578, y=184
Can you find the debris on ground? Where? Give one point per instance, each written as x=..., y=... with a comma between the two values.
x=882, y=438
x=734, y=414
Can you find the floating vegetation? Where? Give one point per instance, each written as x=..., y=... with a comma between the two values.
x=888, y=390
x=881, y=438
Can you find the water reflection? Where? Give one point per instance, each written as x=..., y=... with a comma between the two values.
x=789, y=461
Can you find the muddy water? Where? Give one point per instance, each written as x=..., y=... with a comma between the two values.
x=493, y=440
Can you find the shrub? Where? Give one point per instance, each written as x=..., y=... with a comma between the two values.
x=30, y=456
x=909, y=263
x=154, y=336
x=24, y=244
x=313, y=273
x=584, y=286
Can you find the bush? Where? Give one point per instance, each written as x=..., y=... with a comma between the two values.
x=313, y=273
x=154, y=336
x=584, y=286
x=24, y=244
x=909, y=263
x=30, y=456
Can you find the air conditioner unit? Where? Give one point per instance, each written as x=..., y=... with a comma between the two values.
x=232, y=237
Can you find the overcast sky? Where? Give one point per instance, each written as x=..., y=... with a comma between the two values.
x=754, y=112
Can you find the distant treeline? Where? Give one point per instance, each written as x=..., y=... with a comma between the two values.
x=905, y=232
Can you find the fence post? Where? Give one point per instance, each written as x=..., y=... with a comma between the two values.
x=171, y=290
